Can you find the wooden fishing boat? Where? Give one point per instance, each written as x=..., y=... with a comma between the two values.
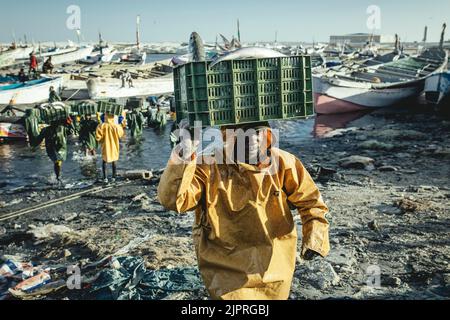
x=8, y=58
x=437, y=87
x=30, y=92
x=79, y=54
x=12, y=128
x=377, y=86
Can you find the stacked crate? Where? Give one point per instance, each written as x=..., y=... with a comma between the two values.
x=244, y=91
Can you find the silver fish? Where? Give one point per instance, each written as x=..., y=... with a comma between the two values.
x=196, y=48
x=249, y=53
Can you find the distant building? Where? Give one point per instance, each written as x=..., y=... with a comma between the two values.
x=361, y=39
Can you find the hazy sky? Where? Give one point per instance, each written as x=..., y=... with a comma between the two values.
x=173, y=20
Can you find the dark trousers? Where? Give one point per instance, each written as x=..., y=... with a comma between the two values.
x=114, y=170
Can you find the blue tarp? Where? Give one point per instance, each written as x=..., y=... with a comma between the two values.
x=132, y=281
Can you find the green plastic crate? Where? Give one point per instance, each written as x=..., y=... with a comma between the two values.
x=54, y=112
x=85, y=108
x=244, y=91
x=110, y=108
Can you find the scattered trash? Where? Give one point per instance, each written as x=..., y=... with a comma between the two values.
x=67, y=253
x=33, y=282
x=43, y=290
x=70, y=216
x=11, y=268
x=133, y=282
x=137, y=174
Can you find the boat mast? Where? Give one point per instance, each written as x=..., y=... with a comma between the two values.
x=100, y=42
x=425, y=35
x=138, y=22
x=441, y=43
x=14, y=39
x=79, y=37
x=397, y=44
x=238, y=31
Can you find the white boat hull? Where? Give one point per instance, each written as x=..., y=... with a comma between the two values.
x=112, y=88
x=8, y=58
x=437, y=87
x=333, y=98
x=30, y=95
x=76, y=55
x=369, y=97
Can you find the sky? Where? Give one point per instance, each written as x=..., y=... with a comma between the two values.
x=174, y=20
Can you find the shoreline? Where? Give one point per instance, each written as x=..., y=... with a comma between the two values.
x=389, y=209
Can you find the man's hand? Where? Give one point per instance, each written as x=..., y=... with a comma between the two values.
x=186, y=147
x=310, y=255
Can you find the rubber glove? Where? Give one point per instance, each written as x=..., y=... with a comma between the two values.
x=102, y=118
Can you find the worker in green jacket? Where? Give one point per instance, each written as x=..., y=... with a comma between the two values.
x=88, y=126
x=135, y=120
x=53, y=96
x=157, y=118
x=55, y=137
x=32, y=121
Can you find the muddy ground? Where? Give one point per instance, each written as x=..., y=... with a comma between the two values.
x=389, y=214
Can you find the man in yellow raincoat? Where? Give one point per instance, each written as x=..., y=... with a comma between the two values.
x=244, y=233
x=108, y=134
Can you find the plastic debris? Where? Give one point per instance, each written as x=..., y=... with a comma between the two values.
x=33, y=282
x=11, y=268
x=133, y=282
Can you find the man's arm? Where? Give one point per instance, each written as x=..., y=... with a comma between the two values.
x=182, y=185
x=99, y=134
x=305, y=196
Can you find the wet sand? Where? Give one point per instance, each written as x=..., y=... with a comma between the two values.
x=389, y=212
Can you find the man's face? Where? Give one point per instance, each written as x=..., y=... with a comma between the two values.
x=250, y=145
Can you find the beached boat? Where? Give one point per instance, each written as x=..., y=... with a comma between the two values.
x=377, y=86
x=12, y=128
x=30, y=92
x=134, y=57
x=75, y=55
x=105, y=55
x=437, y=87
x=9, y=57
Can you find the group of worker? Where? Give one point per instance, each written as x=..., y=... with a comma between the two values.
x=106, y=130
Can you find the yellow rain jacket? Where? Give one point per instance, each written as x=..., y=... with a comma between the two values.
x=244, y=232
x=109, y=134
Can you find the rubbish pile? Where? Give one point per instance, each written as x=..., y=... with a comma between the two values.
x=121, y=278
